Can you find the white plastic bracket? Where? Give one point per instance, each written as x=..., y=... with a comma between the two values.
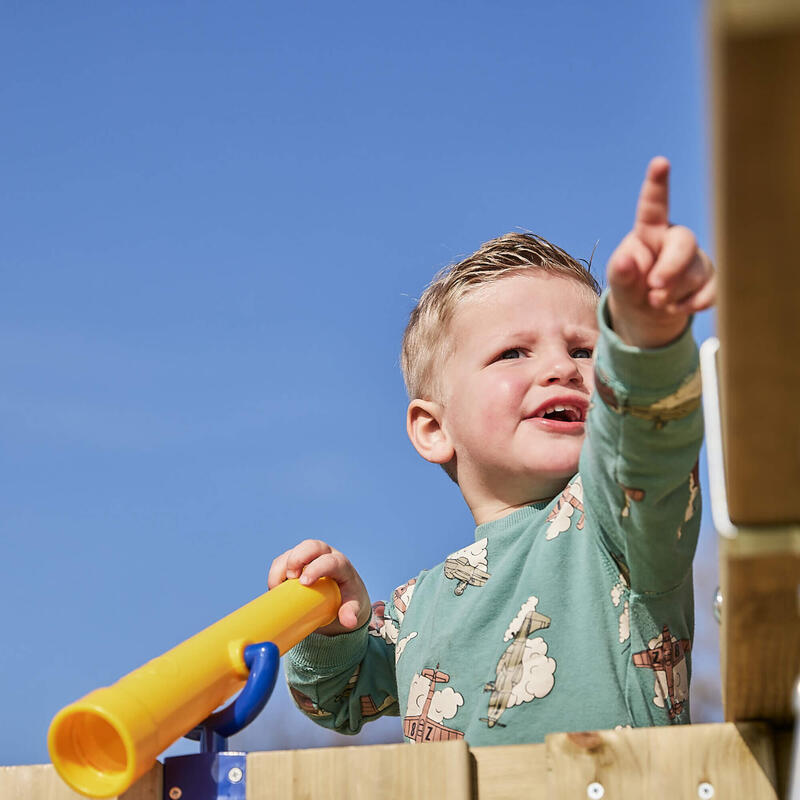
x=794, y=765
x=714, y=445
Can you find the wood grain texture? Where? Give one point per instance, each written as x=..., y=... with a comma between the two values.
x=652, y=762
x=760, y=631
x=756, y=91
x=390, y=772
x=42, y=782
x=751, y=16
x=514, y=771
x=738, y=760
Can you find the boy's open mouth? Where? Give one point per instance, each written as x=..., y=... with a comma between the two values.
x=561, y=410
x=562, y=414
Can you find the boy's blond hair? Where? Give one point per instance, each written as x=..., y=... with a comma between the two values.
x=425, y=342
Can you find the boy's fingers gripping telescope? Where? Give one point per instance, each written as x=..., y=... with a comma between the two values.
x=103, y=742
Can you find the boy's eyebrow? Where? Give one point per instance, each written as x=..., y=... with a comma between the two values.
x=581, y=331
x=571, y=332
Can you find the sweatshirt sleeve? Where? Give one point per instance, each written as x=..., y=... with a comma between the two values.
x=341, y=682
x=639, y=461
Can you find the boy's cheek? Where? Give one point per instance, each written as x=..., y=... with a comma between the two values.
x=486, y=432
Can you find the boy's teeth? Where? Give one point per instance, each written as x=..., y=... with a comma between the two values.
x=572, y=411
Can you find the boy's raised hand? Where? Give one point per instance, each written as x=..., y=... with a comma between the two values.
x=658, y=276
x=313, y=559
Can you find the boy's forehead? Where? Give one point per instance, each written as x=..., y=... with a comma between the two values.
x=521, y=298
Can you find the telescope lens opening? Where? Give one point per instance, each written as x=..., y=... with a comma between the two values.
x=91, y=752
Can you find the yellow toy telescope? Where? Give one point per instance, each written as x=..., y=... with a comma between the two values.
x=108, y=739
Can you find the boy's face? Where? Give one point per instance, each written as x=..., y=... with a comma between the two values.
x=517, y=387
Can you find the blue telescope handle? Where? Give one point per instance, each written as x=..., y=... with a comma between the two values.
x=262, y=660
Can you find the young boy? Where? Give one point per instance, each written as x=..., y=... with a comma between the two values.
x=572, y=609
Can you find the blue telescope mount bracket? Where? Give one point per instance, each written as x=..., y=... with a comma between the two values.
x=215, y=773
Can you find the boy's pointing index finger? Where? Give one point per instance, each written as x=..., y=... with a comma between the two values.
x=652, y=210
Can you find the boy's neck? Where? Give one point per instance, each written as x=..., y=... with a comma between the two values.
x=488, y=507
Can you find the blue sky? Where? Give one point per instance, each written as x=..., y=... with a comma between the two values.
x=216, y=218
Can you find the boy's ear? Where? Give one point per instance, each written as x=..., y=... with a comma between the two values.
x=427, y=434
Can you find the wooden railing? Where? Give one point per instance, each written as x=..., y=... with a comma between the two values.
x=721, y=760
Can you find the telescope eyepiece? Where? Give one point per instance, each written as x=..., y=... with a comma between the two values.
x=91, y=753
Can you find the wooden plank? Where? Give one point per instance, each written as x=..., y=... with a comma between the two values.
x=756, y=88
x=738, y=760
x=390, y=772
x=42, y=782
x=657, y=762
x=148, y=787
x=517, y=771
x=760, y=631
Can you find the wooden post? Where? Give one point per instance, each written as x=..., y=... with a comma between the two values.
x=760, y=634
x=755, y=46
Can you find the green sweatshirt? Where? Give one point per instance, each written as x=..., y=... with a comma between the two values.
x=570, y=614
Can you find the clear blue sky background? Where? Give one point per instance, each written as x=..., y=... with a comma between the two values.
x=215, y=219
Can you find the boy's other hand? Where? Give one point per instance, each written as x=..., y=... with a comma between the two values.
x=313, y=559
x=658, y=276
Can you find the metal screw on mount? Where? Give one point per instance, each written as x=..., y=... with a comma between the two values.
x=235, y=775
x=595, y=790
x=175, y=793
x=718, y=605
x=705, y=791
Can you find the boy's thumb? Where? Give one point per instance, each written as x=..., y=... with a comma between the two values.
x=622, y=271
x=348, y=614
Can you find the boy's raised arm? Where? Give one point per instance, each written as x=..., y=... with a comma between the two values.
x=658, y=276
x=639, y=460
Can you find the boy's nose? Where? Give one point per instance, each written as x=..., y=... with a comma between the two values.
x=561, y=370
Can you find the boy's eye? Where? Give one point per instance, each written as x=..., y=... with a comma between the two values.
x=514, y=352
x=582, y=352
